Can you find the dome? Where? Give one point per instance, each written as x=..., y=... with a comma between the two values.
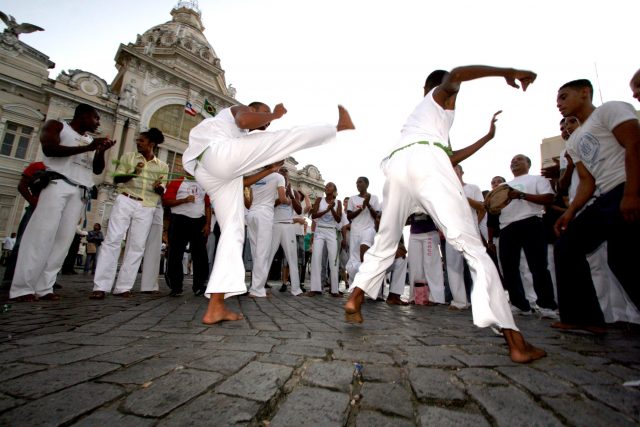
x=183, y=32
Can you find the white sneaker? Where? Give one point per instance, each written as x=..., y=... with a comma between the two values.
x=516, y=310
x=546, y=313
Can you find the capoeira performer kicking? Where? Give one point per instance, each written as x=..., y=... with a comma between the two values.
x=220, y=152
x=419, y=175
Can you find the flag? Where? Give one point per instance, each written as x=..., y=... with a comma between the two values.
x=188, y=108
x=209, y=108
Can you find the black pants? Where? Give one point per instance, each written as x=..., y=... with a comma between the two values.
x=599, y=222
x=527, y=234
x=185, y=230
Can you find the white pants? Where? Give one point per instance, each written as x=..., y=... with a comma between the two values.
x=455, y=274
x=355, y=240
x=284, y=234
x=152, y=254
x=324, y=236
x=398, y=272
x=220, y=172
x=425, y=264
x=260, y=233
x=46, y=239
x=614, y=301
x=422, y=175
x=127, y=215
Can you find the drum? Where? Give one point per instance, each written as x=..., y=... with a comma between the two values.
x=497, y=199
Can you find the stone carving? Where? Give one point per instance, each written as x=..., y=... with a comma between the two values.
x=16, y=29
x=232, y=90
x=129, y=96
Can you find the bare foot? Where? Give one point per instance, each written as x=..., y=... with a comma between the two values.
x=352, y=313
x=521, y=351
x=344, y=120
x=217, y=312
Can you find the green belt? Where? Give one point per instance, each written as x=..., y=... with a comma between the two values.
x=444, y=148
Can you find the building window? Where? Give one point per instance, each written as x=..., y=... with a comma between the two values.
x=16, y=140
x=6, y=206
x=174, y=160
x=173, y=121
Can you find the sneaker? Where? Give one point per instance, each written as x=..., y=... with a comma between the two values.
x=175, y=293
x=546, y=313
x=283, y=288
x=516, y=310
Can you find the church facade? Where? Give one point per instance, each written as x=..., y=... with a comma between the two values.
x=168, y=68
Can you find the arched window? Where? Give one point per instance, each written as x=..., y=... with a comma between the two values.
x=172, y=120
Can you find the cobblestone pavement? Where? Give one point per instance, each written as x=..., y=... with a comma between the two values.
x=293, y=361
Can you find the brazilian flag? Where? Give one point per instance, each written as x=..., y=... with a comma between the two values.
x=209, y=108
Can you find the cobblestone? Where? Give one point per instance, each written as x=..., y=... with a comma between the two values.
x=148, y=361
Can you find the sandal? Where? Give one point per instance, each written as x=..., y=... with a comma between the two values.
x=97, y=295
x=125, y=294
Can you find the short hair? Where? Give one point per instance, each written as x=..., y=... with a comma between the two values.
x=364, y=178
x=256, y=104
x=154, y=135
x=435, y=78
x=83, y=109
x=527, y=158
x=579, y=84
x=501, y=178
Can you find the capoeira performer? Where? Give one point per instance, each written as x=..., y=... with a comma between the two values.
x=265, y=192
x=220, y=152
x=284, y=233
x=425, y=261
x=363, y=211
x=419, y=174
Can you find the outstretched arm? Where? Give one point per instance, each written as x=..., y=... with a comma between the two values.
x=252, y=179
x=459, y=155
x=451, y=83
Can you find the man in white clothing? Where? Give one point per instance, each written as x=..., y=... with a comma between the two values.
x=67, y=151
x=419, y=174
x=265, y=192
x=363, y=211
x=220, y=152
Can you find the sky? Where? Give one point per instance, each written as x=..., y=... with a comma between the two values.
x=372, y=57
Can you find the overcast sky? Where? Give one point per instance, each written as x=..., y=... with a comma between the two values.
x=373, y=56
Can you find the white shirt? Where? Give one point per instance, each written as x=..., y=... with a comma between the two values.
x=594, y=144
x=327, y=220
x=8, y=243
x=265, y=192
x=364, y=219
x=195, y=209
x=428, y=122
x=77, y=168
x=517, y=209
x=220, y=128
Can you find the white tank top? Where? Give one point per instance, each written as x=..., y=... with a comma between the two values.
x=428, y=122
x=77, y=168
x=326, y=220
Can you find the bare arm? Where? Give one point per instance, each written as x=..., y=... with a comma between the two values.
x=628, y=135
x=247, y=118
x=295, y=203
x=207, y=226
x=252, y=179
x=584, y=192
x=314, y=209
x=565, y=178
x=451, y=84
x=460, y=155
x=540, y=199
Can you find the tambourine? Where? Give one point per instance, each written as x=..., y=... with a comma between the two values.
x=497, y=199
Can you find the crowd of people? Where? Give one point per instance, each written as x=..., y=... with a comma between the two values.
x=557, y=245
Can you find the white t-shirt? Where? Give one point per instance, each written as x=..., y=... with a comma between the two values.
x=219, y=128
x=265, y=192
x=78, y=168
x=364, y=219
x=594, y=144
x=517, y=209
x=473, y=192
x=8, y=243
x=189, y=187
x=283, y=213
x=327, y=220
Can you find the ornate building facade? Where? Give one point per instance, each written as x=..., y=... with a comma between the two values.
x=168, y=66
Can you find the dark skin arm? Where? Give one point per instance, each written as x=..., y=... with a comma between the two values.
x=336, y=212
x=295, y=201
x=584, y=192
x=252, y=179
x=565, y=178
x=628, y=135
x=462, y=154
x=50, y=141
x=540, y=199
x=248, y=118
x=23, y=188
x=207, y=226
x=365, y=205
x=248, y=197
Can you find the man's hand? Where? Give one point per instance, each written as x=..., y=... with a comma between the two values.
x=332, y=205
x=367, y=199
x=189, y=199
x=138, y=170
x=562, y=223
x=630, y=208
x=492, y=126
x=552, y=172
x=524, y=77
x=514, y=194
x=103, y=144
x=157, y=186
x=279, y=111
x=274, y=167
x=206, y=229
